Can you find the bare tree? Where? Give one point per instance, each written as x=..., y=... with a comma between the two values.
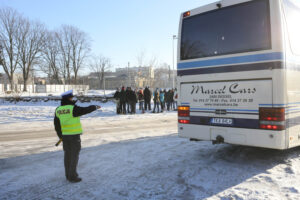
x=74, y=47
x=1, y=54
x=80, y=48
x=31, y=43
x=152, y=64
x=65, y=52
x=99, y=66
x=10, y=28
x=161, y=77
x=141, y=56
x=153, y=61
x=51, y=55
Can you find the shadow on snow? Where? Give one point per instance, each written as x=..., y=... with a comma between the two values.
x=147, y=168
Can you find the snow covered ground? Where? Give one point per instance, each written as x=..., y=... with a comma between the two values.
x=44, y=111
x=101, y=92
x=135, y=157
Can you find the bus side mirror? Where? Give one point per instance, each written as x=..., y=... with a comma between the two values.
x=219, y=5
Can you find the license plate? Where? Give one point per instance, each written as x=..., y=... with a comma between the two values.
x=221, y=121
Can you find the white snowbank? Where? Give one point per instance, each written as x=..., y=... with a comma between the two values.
x=44, y=111
x=108, y=93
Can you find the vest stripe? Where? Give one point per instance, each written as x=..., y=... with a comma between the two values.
x=71, y=125
x=73, y=128
x=73, y=131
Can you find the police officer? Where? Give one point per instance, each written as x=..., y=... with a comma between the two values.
x=68, y=128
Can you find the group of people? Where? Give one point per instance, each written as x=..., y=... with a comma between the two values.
x=163, y=99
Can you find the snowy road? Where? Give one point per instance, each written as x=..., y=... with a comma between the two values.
x=144, y=159
x=27, y=138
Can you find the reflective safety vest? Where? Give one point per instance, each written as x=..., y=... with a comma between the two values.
x=69, y=125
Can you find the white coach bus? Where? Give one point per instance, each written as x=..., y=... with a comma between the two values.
x=239, y=73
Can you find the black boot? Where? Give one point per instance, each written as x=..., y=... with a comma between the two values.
x=75, y=180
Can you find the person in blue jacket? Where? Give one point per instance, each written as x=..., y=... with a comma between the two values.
x=162, y=100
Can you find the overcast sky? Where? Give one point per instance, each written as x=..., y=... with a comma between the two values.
x=119, y=29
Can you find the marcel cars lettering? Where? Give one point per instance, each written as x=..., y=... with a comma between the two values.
x=225, y=94
x=233, y=89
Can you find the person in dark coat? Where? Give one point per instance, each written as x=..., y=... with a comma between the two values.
x=122, y=96
x=172, y=100
x=117, y=99
x=68, y=129
x=147, y=97
x=127, y=99
x=156, y=100
x=132, y=100
x=168, y=99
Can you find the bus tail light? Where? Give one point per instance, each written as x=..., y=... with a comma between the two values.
x=184, y=114
x=272, y=118
x=187, y=14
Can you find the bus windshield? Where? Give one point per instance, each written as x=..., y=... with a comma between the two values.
x=235, y=29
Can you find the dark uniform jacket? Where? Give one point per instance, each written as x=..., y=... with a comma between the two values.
x=77, y=112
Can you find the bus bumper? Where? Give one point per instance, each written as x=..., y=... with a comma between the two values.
x=239, y=136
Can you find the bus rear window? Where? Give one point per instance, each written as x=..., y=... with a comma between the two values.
x=240, y=28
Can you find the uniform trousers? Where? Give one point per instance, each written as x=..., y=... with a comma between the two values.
x=72, y=146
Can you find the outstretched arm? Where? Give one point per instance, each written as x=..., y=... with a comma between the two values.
x=79, y=111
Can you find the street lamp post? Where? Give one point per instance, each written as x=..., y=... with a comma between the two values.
x=174, y=38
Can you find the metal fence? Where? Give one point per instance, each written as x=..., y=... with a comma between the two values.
x=46, y=88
